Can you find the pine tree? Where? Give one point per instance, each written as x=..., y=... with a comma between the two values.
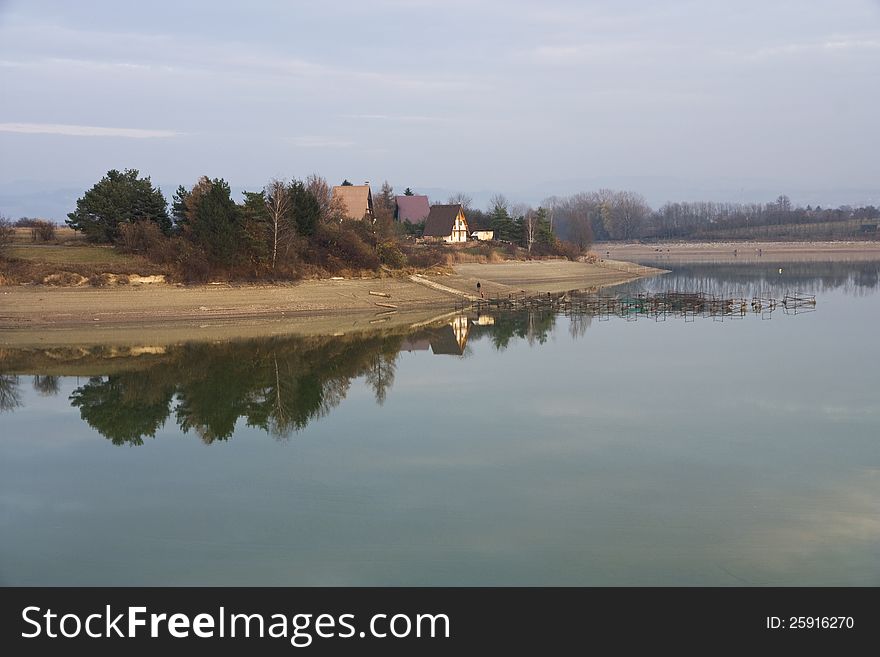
x=305, y=208
x=215, y=221
x=119, y=197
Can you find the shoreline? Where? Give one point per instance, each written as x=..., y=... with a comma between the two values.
x=164, y=314
x=732, y=251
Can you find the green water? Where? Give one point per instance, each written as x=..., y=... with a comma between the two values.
x=536, y=450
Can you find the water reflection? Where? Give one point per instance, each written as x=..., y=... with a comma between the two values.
x=10, y=396
x=763, y=277
x=610, y=452
x=279, y=385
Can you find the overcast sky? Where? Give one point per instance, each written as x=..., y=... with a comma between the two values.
x=517, y=97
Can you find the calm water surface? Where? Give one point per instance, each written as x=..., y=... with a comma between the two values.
x=537, y=449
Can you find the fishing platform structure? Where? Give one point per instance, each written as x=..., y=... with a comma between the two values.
x=657, y=306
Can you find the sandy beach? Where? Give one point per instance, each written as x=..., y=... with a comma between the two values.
x=161, y=313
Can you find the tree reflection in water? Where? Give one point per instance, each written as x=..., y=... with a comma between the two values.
x=282, y=384
x=278, y=385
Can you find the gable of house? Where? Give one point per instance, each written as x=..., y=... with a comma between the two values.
x=358, y=200
x=447, y=221
x=412, y=209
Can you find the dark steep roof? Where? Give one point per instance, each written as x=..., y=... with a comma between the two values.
x=412, y=208
x=441, y=220
x=444, y=342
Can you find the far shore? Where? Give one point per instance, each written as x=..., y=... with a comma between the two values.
x=160, y=313
x=731, y=251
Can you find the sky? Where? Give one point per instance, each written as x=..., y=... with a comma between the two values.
x=679, y=100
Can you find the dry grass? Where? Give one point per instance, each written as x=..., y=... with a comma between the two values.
x=70, y=265
x=80, y=254
x=63, y=235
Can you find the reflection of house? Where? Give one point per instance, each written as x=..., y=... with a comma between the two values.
x=411, y=209
x=484, y=320
x=483, y=235
x=446, y=223
x=452, y=338
x=415, y=344
x=358, y=200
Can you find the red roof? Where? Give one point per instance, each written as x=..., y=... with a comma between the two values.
x=412, y=208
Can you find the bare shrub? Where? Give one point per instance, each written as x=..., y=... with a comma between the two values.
x=391, y=255
x=425, y=257
x=568, y=250
x=340, y=247
x=7, y=231
x=144, y=237
x=193, y=264
x=42, y=231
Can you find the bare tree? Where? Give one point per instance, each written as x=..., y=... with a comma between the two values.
x=551, y=203
x=10, y=396
x=383, y=211
x=7, y=232
x=318, y=187
x=380, y=375
x=42, y=231
x=499, y=202
x=462, y=199
x=278, y=205
x=624, y=213
x=530, y=228
x=47, y=385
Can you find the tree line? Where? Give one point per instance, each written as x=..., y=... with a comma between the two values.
x=623, y=215
x=278, y=231
x=281, y=230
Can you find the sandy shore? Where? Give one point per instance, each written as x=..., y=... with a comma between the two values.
x=163, y=314
x=740, y=251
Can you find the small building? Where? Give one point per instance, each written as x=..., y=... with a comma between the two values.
x=411, y=209
x=446, y=223
x=482, y=234
x=358, y=200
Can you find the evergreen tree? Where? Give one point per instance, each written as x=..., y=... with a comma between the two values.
x=544, y=233
x=408, y=192
x=503, y=225
x=258, y=227
x=305, y=208
x=215, y=221
x=119, y=197
x=178, y=207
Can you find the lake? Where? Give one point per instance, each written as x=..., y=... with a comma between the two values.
x=508, y=449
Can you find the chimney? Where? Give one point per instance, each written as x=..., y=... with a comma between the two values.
x=367, y=183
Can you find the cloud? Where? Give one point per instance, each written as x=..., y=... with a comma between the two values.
x=316, y=141
x=837, y=44
x=57, y=48
x=84, y=130
x=397, y=118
